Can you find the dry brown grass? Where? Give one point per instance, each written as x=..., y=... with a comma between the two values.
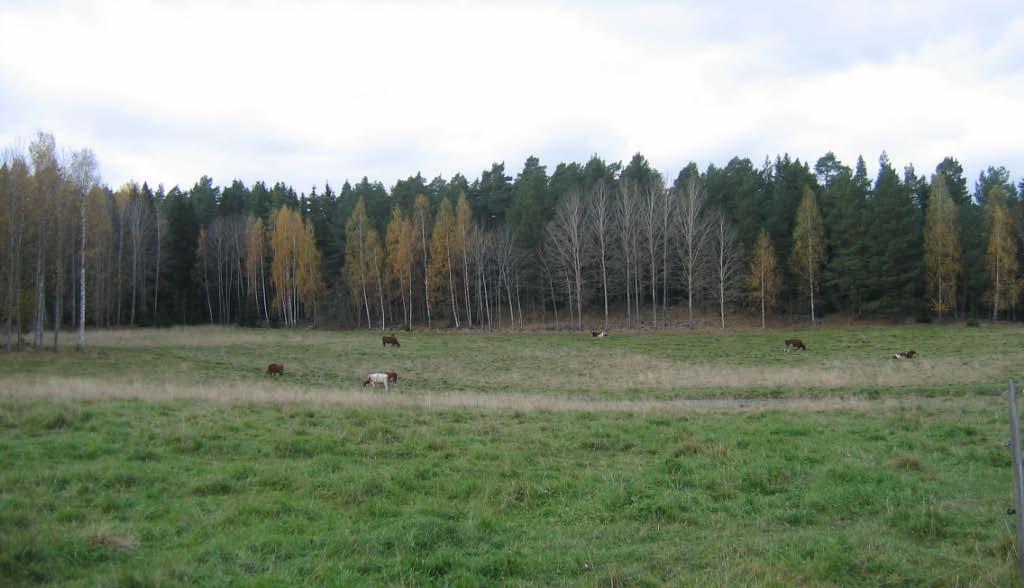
x=200, y=336
x=87, y=389
x=103, y=536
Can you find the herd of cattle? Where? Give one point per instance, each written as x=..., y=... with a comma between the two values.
x=388, y=376
x=797, y=344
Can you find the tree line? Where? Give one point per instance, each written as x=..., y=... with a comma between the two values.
x=601, y=242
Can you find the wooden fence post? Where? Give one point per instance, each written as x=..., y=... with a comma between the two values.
x=1018, y=476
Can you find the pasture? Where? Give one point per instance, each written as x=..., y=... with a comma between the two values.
x=166, y=457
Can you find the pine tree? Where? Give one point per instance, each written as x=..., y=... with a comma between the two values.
x=808, y=243
x=894, y=246
x=941, y=248
x=764, y=275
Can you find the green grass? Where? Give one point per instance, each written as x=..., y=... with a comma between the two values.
x=167, y=457
x=839, y=361
x=166, y=493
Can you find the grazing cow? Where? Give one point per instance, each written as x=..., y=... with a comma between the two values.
x=598, y=333
x=275, y=369
x=392, y=377
x=905, y=355
x=377, y=378
x=390, y=340
x=795, y=344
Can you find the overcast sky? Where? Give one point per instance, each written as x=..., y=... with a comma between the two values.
x=310, y=91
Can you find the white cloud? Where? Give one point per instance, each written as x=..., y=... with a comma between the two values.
x=314, y=91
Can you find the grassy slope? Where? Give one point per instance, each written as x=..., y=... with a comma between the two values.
x=149, y=493
x=658, y=365
x=171, y=492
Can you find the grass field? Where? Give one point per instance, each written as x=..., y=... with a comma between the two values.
x=166, y=457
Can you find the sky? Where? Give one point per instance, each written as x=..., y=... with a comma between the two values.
x=310, y=91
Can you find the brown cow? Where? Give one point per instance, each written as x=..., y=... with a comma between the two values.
x=598, y=333
x=275, y=369
x=905, y=354
x=795, y=344
x=390, y=340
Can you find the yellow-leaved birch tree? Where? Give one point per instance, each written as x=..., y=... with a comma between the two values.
x=764, y=274
x=295, y=269
x=809, y=243
x=941, y=248
x=1001, y=253
x=442, y=244
x=464, y=228
x=356, y=271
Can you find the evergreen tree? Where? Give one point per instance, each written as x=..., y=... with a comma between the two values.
x=184, y=301
x=234, y=199
x=531, y=204
x=491, y=195
x=203, y=199
x=404, y=192
x=894, y=246
x=843, y=205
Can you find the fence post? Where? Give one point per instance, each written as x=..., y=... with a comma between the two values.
x=1018, y=476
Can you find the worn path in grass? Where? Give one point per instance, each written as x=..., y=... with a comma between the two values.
x=840, y=361
x=261, y=392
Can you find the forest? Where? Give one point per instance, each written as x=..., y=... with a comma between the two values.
x=573, y=246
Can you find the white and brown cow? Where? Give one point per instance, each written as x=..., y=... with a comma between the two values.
x=378, y=378
x=905, y=354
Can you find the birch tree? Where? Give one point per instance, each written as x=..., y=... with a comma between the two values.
x=399, y=259
x=83, y=176
x=809, y=243
x=421, y=220
x=764, y=277
x=16, y=187
x=627, y=215
x=356, y=255
x=1001, y=252
x=600, y=223
x=375, y=265
x=728, y=261
x=442, y=244
x=651, y=207
x=256, y=261
x=140, y=226
x=46, y=176
x=567, y=237
x=694, y=232
x=941, y=248
x=464, y=229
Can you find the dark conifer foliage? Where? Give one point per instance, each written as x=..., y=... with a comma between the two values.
x=182, y=256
